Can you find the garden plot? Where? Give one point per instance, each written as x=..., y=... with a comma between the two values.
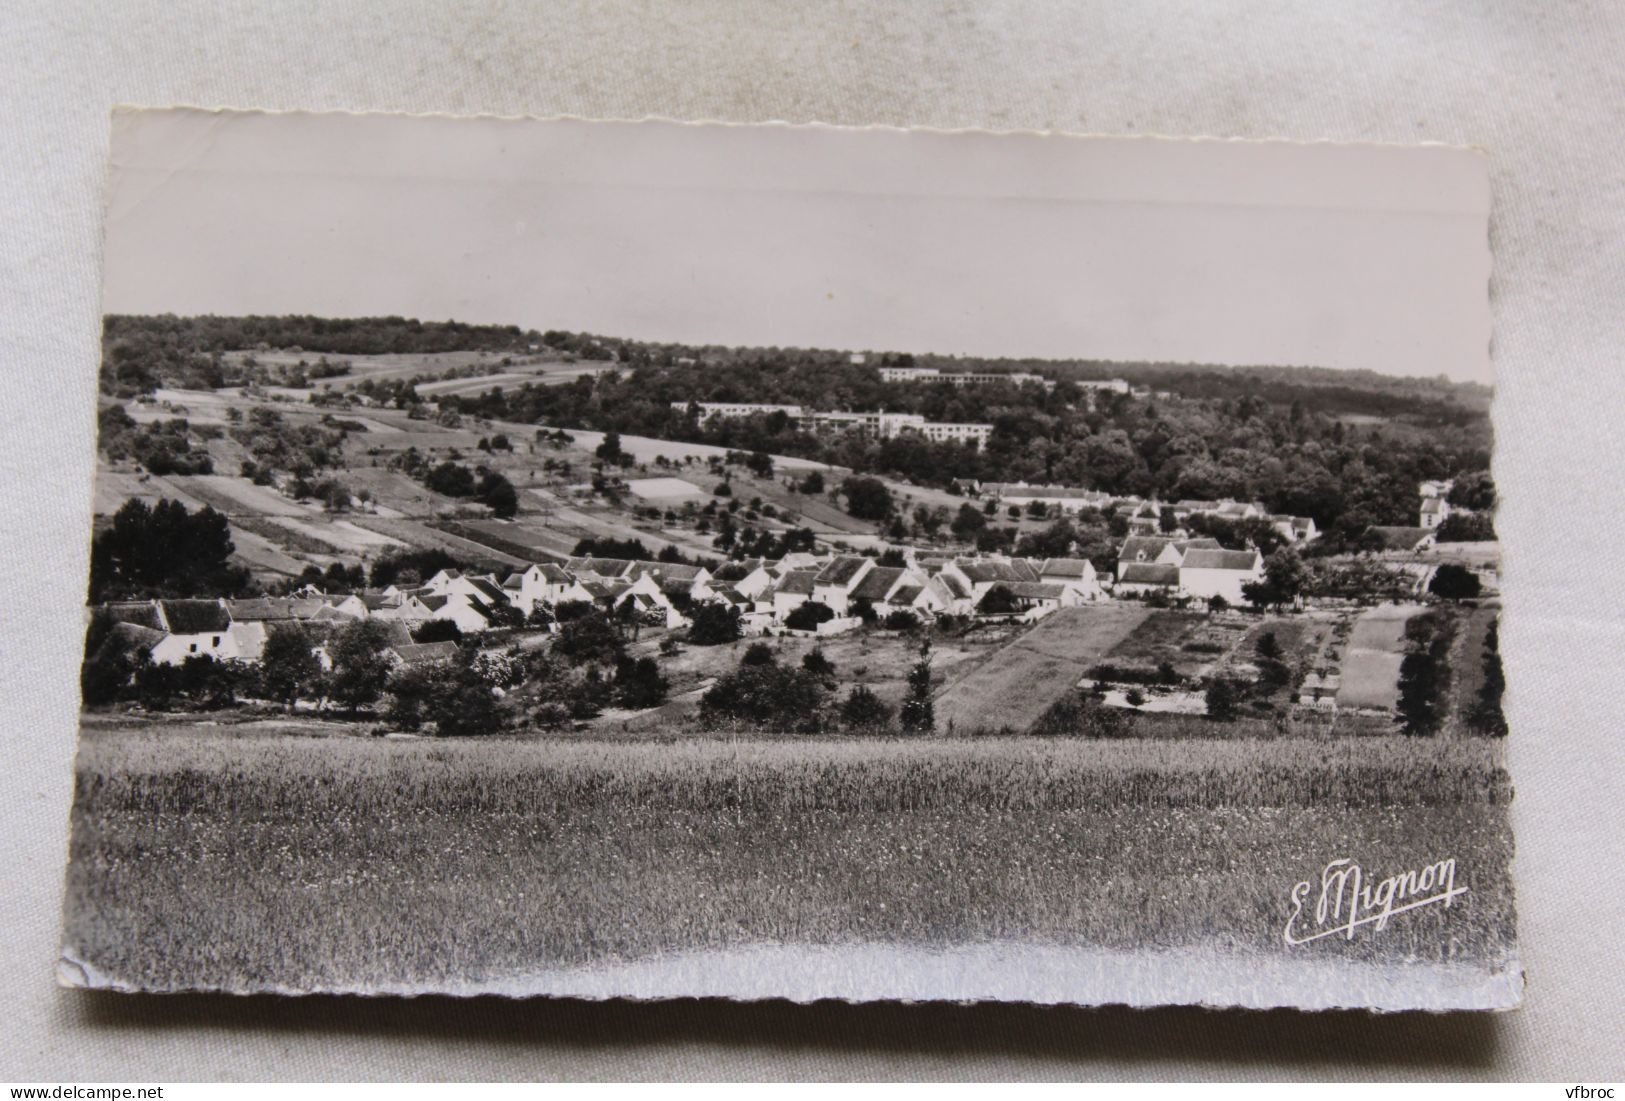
x=239, y=495
x=1013, y=688
x=665, y=489
x=1375, y=649
x=346, y=537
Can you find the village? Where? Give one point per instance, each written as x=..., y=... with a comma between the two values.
x=978, y=606
x=393, y=527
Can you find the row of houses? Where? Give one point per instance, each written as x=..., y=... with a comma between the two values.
x=764, y=592
x=171, y=631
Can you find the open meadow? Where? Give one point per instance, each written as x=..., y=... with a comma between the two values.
x=235, y=858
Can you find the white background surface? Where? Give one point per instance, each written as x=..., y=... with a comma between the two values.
x=1541, y=86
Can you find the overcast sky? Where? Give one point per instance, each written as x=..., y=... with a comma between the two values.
x=1020, y=245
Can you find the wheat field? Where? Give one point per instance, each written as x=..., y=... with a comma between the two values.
x=207, y=859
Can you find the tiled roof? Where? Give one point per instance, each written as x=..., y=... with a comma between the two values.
x=1401, y=538
x=1137, y=545
x=878, y=582
x=143, y=613
x=796, y=583
x=1067, y=567
x=907, y=594
x=841, y=570
x=1037, y=590
x=193, y=617
x=1203, y=559
x=1149, y=573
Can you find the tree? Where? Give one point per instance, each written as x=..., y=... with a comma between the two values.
x=901, y=620
x=760, y=463
x=437, y=630
x=1223, y=697
x=998, y=600
x=638, y=684
x=1486, y=716
x=863, y=711
x=609, y=451
x=771, y=697
x=450, y=480
x=713, y=624
x=758, y=653
x=818, y=665
x=968, y=521
x=498, y=494
x=288, y=667
x=590, y=638
x=462, y=702
x=1455, y=582
x=813, y=483
x=919, y=711
x=807, y=615
x=867, y=498
x=1286, y=574
x=163, y=550
x=1285, y=578
x=361, y=665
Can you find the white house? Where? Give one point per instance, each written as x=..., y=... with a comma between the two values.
x=1075, y=574
x=1209, y=573
x=1148, y=550
x=1433, y=512
x=1142, y=578
x=542, y=583
x=201, y=628
x=792, y=591
x=834, y=584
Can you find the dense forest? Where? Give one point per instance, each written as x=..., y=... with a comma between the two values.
x=1344, y=447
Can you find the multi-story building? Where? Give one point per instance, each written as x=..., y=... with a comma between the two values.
x=709, y=409
x=961, y=378
x=880, y=425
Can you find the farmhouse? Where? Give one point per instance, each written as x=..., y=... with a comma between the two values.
x=1434, y=511
x=1075, y=574
x=834, y=584
x=792, y=591
x=1141, y=578
x=1209, y=573
x=1142, y=549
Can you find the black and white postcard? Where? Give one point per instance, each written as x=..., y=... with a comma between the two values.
x=654, y=559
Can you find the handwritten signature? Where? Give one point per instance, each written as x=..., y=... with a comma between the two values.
x=1349, y=898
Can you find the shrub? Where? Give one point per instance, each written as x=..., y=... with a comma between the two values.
x=758, y=653
x=808, y=615
x=817, y=664
x=713, y=625
x=862, y=710
x=901, y=620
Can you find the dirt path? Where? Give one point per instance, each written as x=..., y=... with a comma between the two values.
x=1021, y=680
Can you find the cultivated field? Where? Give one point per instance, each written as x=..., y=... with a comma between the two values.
x=1018, y=683
x=208, y=858
x=1371, y=667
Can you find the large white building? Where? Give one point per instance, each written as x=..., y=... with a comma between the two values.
x=709, y=409
x=961, y=378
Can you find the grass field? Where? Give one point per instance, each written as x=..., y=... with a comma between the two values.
x=1019, y=682
x=204, y=859
x=1371, y=667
